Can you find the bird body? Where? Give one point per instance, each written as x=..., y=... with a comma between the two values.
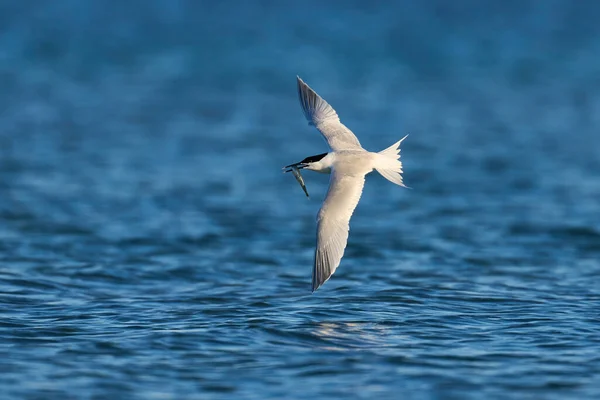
x=348, y=163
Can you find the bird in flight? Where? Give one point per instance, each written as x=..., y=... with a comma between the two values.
x=348, y=163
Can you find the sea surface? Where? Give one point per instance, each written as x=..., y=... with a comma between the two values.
x=151, y=248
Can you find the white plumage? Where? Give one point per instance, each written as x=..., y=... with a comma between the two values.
x=348, y=164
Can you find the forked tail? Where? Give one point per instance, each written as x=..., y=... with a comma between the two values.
x=388, y=163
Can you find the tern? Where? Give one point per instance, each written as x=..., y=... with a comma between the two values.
x=348, y=163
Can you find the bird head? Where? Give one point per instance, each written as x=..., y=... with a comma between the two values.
x=310, y=163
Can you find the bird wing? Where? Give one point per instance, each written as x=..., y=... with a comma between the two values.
x=320, y=114
x=333, y=224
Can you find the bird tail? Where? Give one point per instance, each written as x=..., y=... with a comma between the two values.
x=388, y=163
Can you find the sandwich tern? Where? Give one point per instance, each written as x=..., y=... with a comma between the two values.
x=348, y=163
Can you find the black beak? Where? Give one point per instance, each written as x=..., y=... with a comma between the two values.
x=300, y=165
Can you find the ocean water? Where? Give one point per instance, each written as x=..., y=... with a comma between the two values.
x=151, y=248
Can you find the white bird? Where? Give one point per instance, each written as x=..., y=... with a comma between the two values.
x=348, y=163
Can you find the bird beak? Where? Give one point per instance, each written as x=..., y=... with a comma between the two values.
x=300, y=165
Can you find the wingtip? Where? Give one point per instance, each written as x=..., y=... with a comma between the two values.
x=319, y=281
x=315, y=109
x=315, y=285
x=302, y=86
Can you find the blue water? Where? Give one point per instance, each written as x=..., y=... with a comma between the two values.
x=150, y=246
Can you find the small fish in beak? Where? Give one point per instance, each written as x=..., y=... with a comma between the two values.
x=295, y=170
x=298, y=177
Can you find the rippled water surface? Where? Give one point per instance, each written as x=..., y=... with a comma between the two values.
x=150, y=246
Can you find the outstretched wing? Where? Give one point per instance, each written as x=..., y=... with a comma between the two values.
x=320, y=114
x=333, y=224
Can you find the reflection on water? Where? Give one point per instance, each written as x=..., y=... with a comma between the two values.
x=346, y=336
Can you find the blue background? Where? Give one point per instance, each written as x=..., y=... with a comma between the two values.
x=150, y=246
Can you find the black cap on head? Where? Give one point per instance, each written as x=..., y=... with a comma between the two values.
x=313, y=159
